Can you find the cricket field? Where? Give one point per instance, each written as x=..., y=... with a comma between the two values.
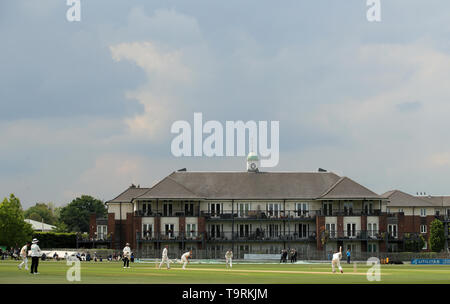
x=52, y=272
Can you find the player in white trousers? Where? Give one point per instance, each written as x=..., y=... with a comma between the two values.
x=126, y=256
x=229, y=258
x=185, y=258
x=24, y=256
x=165, y=258
x=336, y=261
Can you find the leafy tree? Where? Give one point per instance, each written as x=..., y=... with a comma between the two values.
x=437, y=238
x=76, y=214
x=14, y=231
x=413, y=242
x=42, y=212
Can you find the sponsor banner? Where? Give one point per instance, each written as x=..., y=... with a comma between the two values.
x=430, y=261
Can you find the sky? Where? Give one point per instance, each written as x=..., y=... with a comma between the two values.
x=86, y=107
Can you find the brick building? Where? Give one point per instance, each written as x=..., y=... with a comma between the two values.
x=265, y=212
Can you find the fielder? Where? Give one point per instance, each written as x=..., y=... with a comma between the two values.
x=24, y=254
x=336, y=261
x=185, y=258
x=126, y=255
x=165, y=258
x=229, y=258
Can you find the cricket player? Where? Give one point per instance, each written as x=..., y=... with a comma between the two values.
x=24, y=255
x=36, y=254
x=185, y=258
x=336, y=261
x=228, y=258
x=126, y=255
x=165, y=258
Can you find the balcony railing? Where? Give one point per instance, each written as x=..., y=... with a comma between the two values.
x=174, y=213
x=260, y=214
x=352, y=234
x=260, y=236
x=349, y=212
x=169, y=236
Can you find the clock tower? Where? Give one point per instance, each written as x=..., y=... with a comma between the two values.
x=252, y=162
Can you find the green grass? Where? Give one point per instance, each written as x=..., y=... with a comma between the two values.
x=145, y=273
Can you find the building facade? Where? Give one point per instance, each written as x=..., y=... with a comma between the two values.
x=264, y=212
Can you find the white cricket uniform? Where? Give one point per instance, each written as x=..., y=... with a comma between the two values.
x=127, y=252
x=184, y=258
x=336, y=261
x=23, y=254
x=229, y=258
x=165, y=259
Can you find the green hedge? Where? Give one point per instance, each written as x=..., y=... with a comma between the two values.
x=56, y=239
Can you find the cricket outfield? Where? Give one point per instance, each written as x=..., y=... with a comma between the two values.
x=51, y=272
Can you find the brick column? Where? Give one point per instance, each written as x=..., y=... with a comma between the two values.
x=320, y=228
x=201, y=229
x=182, y=224
x=340, y=226
x=92, y=225
x=382, y=223
x=112, y=229
x=137, y=223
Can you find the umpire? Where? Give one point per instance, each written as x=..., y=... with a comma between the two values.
x=126, y=256
x=35, y=255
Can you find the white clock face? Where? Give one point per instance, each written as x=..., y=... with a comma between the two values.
x=253, y=166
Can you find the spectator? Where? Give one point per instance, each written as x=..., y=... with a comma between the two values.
x=66, y=256
x=88, y=257
x=295, y=255
x=132, y=257
x=348, y=256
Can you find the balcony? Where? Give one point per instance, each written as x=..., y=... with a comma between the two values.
x=260, y=236
x=169, y=236
x=352, y=235
x=261, y=215
x=349, y=212
x=174, y=213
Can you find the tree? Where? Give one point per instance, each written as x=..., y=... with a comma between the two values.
x=42, y=212
x=14, y=231
x=76, y=214
x=437, y=238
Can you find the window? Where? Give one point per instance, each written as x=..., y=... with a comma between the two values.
x=392, y=230
x=423, y=212
x=372, y=247
x=372, y=229
x=189, y=209
x=348, y=208
x=273, y=210
x=167, y=209
x=351, y=230
x=191, y=230
x=147, y=231
x=102, y=232
x=388, y=210
x=243, y=209
x=214, y=209
x=214, y=231
x=303, y=230
x=273, y=230
x=169, y=230
x=302, y=209
x=437, y=212
x=425, y=245
x=147, y=209
x=423, y=228
x=331, y=228
x=327, y=208
x=400, y=210
x=244, y=230
x=368, y=207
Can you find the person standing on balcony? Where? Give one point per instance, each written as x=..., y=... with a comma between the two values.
x=165, y=258
x=348, y=256
x=126, y=256
x=336, y=261
x=229, y=258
